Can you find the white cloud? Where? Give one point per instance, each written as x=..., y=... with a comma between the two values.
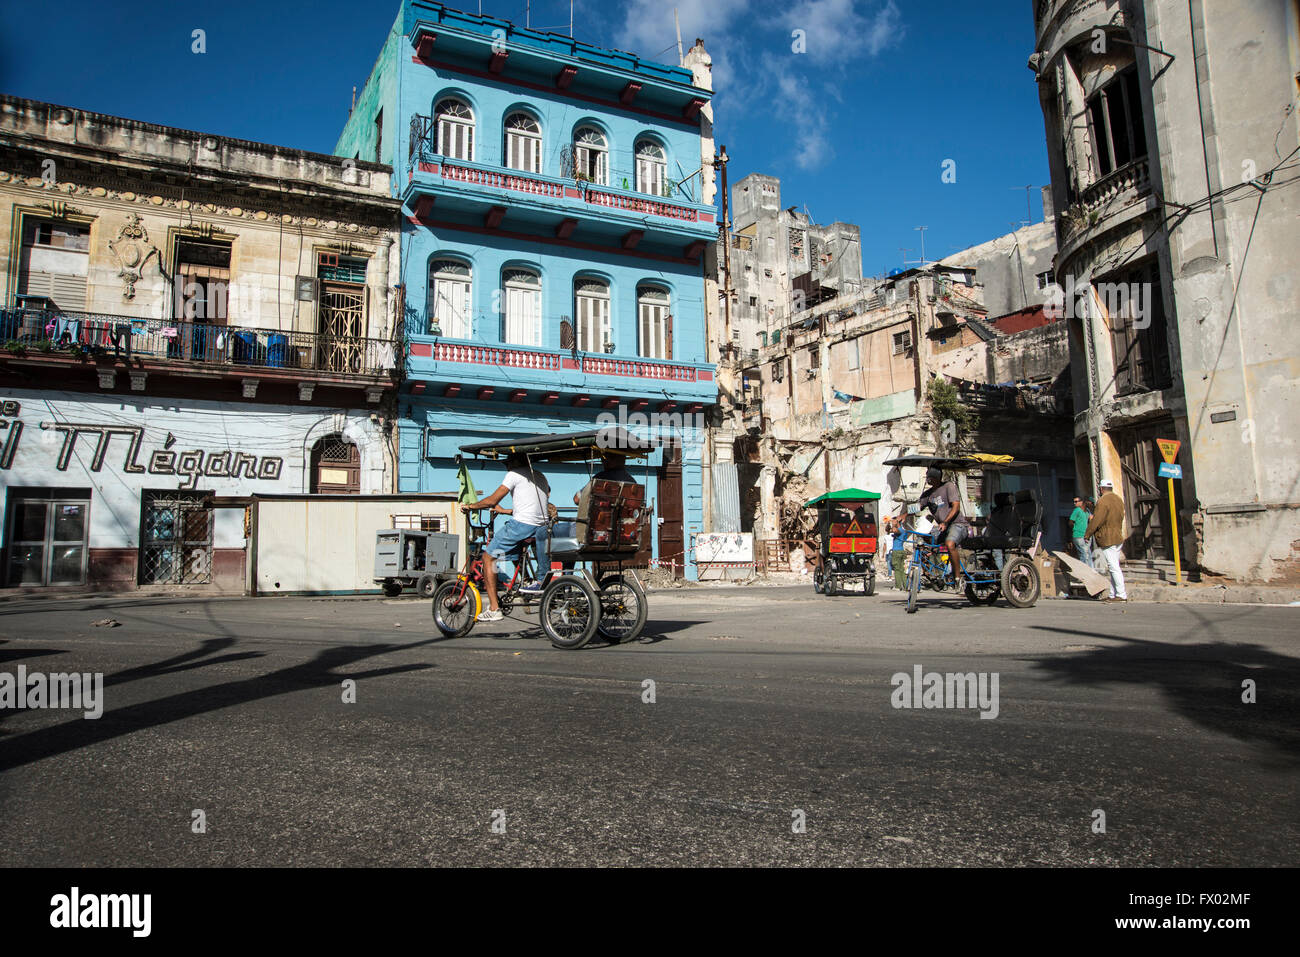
x=801, y=121
x=836, y=30
x=648, y=27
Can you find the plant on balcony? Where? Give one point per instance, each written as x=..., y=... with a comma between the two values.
x=45, y=345
x=16, y=347
x=581, y=177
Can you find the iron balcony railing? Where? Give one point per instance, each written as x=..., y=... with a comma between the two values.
x=556, y=360
x=89, y=334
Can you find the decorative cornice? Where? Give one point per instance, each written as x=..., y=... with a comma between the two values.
x=157, y=200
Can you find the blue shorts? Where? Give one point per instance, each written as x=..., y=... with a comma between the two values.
x=955, y=534
x=507, y=542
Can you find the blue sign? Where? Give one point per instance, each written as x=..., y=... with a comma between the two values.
x=1168, y=470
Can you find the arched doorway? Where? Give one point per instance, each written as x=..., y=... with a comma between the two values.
x=335, y=466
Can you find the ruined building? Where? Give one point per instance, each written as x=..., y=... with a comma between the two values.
x=841, y=375
x=1172, y=139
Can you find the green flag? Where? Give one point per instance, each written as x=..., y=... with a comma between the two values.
x=467, y=492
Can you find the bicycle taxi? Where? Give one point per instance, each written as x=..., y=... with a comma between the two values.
x=592, y=593
x=847, y=533
x=997, y=561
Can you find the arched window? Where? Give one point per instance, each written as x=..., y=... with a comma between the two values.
x=523, y=143
x=651, y=168
x=449, y=307
x=654, y=323
x=455, y=121
x=591, y=310
x=591, y=155
x=523, y=307
x=335, y=466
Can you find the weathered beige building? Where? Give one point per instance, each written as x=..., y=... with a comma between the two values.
x=844, y=386
x=187, y=320
x=1172, y=138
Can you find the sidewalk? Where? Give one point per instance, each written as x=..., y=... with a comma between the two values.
x=1216, y=594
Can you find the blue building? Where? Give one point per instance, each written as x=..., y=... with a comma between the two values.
x=557, y=205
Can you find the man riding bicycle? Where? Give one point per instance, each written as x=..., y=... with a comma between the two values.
x=530, y=495
x=951, y=526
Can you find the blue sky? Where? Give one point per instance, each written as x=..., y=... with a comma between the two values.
x=857, y=127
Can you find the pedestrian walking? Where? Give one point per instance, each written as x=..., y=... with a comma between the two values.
x=1078, y=530
x=898, y=554
x=1106, y=527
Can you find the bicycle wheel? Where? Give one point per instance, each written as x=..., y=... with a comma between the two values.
x=983, y=593
x=455, y=606
x=913, y=588
x=623, y=609
x=1020, y=583
x=570, y=612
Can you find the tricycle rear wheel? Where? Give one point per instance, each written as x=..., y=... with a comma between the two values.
x=1020, y=583
x=623, y=609
x=983, y=593
x=569, y=611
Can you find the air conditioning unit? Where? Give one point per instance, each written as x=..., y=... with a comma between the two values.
x=306, y=288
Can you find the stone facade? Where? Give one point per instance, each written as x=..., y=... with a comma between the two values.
x=1171, y=138
x=188, y=320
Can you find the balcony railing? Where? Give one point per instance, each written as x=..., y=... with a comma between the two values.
x=1132, y=180
x=88, y=335
x=637, y=204
x=501, y=179
x=495, y=356
x=423, y=149
x=556, y=360
x=638, y=368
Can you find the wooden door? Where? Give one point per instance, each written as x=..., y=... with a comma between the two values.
x=1146, y=497
x=672, y=545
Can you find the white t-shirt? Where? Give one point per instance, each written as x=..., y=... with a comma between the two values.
x=528, y=498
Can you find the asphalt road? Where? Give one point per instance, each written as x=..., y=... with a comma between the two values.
x=767, y=702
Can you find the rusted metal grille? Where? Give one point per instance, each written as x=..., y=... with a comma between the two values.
x=336, y=466
x=342, y=323
x=176, y=539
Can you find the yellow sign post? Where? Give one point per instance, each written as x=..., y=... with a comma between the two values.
x=1169, y=451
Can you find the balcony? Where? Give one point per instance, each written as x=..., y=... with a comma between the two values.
x=167, y=346
x=1107, y=197
x=513, y=372
x=492, y=197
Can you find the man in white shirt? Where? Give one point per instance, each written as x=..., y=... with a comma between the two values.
x=530, y=494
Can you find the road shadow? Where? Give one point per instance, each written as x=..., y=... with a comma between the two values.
x=20, y=606
x=19, y=653
x=1202, y=680
x=327, y=669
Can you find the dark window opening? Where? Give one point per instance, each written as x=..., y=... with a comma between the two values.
x=1118, y=130
x=1139, y=332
